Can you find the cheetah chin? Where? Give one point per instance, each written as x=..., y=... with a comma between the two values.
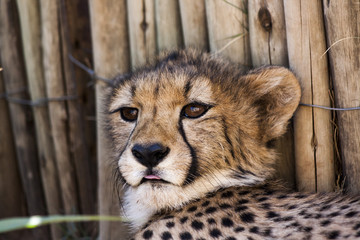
x=192, y=136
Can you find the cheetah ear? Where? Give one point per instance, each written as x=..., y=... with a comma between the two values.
x=277, y=94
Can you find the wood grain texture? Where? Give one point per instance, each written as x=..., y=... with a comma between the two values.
x=267, y=33
x=227, y=27
x=312, y=127
x=268, y=46
x=79, y=33
x=343, y=35
x=168, y=25
x=21, y=116
x=111, y=56
x=55, y=87
x=193, y=21
x=78, y=150
x=29, y=13
x=12, y=199
x=142, y=33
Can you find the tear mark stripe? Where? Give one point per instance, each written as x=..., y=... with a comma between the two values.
x=228, y=140
x=193, y=170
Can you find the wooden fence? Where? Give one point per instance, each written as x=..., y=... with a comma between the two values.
x=53, y=151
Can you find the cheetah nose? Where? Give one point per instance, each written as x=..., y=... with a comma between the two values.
x=150, y=155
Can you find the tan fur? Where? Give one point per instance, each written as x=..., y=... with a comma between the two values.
x=226, y=148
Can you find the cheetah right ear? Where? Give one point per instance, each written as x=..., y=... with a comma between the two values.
x=277, y=94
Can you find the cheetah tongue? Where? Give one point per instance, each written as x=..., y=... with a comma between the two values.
x=152, y=177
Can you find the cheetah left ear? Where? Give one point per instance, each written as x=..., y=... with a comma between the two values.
x=277, y=94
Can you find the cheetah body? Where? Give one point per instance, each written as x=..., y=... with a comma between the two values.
x=262, y=212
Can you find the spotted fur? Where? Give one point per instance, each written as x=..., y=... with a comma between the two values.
x=209, y=176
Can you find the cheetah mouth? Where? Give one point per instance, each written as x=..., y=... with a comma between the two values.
x=153, y=179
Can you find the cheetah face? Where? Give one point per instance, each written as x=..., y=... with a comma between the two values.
x=164, y=122
x=192, y=124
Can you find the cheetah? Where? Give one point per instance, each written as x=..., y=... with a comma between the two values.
x=192, y=135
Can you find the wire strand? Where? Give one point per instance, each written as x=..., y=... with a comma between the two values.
x=330, y=108
x=89, y=71
x=38, y=102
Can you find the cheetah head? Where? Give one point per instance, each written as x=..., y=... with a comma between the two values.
x=192, y=123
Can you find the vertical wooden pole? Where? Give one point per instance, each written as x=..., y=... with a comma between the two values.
x=193, y=21
x=111, y=56
x=313, y=131
x=86, y=184
x=142, y=34
x=227, y=23
x=12, y=199
x=58, y=113
x=268, y=46
x=79, y=33
x=267, y=33
x=15, y=81
x=168, y=24
x=342, y=20
x=31, y=31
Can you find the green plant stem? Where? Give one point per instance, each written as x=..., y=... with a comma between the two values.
x=11, y=224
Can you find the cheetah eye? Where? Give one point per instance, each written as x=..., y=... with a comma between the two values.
x=129, y=114
x=194, y=110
